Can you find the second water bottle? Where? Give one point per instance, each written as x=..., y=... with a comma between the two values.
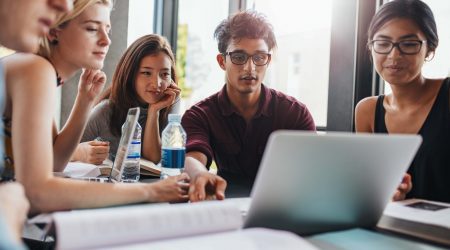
x=173, y=140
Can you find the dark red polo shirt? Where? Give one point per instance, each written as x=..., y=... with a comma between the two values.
x=215, y=128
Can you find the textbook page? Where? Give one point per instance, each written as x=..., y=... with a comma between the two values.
x=142, y=223
x=422, y=211
x=149, y=168
x=248, y=239
x=420, y=218
x=243, y=204
x=79, y=169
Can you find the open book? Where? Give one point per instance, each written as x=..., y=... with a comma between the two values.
x=82, y=170
x=162, y=226
x=149, y=168
x=420, y=218
x=79, y=170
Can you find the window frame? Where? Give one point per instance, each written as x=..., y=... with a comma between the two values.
x=165, y=21
x=352, y=76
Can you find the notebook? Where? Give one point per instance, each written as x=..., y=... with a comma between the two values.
x=309, y=183
x=122, y=150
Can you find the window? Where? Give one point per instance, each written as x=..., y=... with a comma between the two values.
x=199, y=74
x=440, y=65
x=300, y=64
x=140, y=19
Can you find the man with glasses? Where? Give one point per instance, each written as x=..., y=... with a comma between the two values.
x=233, y=126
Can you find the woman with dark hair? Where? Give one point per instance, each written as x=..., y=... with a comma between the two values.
x=145, y=77
x=78, y=40
x=402, y=37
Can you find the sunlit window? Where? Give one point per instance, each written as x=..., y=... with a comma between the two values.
x=200, y=75
x=300, y=66
x=440, y=65
x=140, y=19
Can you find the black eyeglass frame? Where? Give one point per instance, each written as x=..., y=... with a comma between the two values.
x=230, y=53
x=397, y=45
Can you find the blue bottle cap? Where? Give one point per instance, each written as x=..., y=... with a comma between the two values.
x=174, y=118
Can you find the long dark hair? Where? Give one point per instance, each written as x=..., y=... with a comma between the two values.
x=122, y=92
x=414, y=10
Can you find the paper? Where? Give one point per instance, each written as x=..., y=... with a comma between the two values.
x=130, y=224
x=243, y=204
x=248, y=239
x=149, y=168
x=79, y=169
x=401, y=210
x=419, y=218
x=204, y=225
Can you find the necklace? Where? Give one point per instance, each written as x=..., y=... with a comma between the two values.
x=59, y=80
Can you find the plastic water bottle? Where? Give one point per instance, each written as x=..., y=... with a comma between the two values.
x=131, y=169
x=173, y=147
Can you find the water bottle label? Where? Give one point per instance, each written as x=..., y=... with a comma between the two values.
x=173, y=158
x=134, y=150
x=131, y=171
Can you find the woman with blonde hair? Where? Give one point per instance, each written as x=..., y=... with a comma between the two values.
x=78, y=41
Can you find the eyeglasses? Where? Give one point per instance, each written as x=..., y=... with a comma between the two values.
x=241, y=58
x=407, y=47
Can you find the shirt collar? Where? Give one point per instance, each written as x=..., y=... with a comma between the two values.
x=227, y=108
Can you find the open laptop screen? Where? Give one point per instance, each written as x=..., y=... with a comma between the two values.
x=309, y=183
x=125, y=139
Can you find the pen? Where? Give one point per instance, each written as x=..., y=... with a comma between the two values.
x=99, y=139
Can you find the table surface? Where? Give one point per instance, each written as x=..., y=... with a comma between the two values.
x=357, y=238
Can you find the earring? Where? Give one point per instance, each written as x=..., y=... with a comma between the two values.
x=429, y=57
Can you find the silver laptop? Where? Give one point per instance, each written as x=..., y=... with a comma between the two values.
x=309, y=183
x=122, y=149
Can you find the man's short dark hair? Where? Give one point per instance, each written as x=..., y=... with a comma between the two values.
x=245, y=24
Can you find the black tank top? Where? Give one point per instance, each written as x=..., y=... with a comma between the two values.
x=430, y=169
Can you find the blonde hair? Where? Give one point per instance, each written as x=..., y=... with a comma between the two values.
x=45, y=46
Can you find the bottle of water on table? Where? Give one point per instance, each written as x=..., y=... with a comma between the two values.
x=131, y=169
x=173, y=140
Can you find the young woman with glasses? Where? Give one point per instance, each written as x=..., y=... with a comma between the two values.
x=402, y=38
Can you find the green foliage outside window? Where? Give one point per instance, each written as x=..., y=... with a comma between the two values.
x=181, y=60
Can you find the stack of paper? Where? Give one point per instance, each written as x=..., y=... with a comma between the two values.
x=420, y=218
x=79, y=170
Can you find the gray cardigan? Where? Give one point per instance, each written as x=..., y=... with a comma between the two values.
x=99, y=120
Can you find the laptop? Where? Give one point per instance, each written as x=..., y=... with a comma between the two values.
x=122, y=150
x=309, y=183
